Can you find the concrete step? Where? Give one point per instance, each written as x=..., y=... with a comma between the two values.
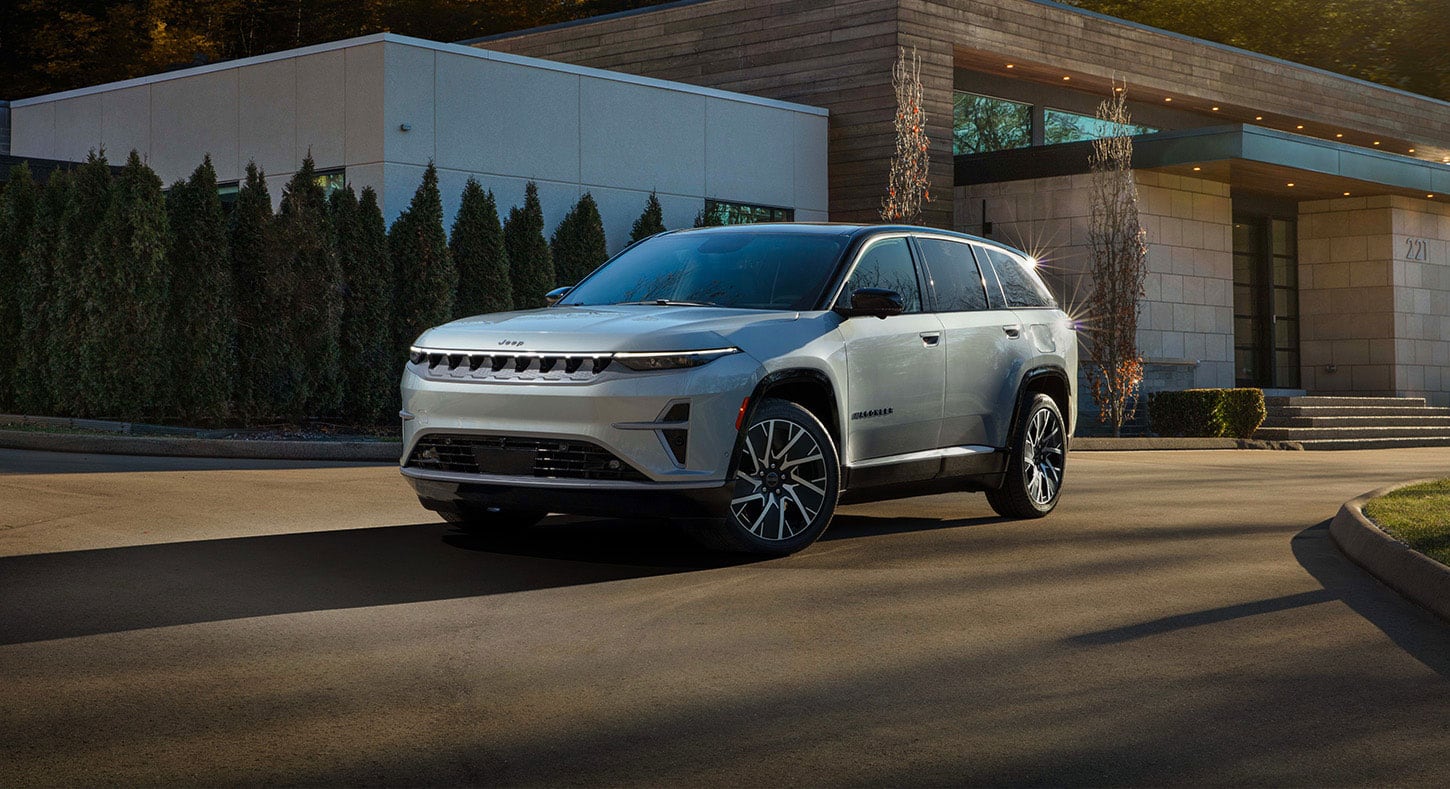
x=1357, y=420
x=1356, y=410
x=1374, y=443
x=1312, y=433
x=1320, y=400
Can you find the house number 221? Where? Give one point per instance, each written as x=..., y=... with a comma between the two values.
x=1417, y=249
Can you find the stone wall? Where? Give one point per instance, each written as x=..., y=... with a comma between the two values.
x=1185, y=330
x=1374, y=277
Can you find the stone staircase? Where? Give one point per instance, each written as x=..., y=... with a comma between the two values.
x=1355, y=422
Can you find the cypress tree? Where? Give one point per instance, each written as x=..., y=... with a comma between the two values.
x=259, y=344
x=41, y=339
x=708, y=218
x=18, y=207
x=370, y=366
x=578, y=245
x=426, y=279
x=303, y=285
x=68, y=385
x=124, y=287
x=478, y=254
x=203, y=329
x=651, y=222
x=531, y=267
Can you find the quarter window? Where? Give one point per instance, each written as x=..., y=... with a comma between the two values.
x=1020, y=286
x=955, y=279
x=886, y=264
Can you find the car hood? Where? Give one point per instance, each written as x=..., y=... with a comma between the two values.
x=601, y=329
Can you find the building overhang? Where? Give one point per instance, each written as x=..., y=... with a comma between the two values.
x=1249, y=158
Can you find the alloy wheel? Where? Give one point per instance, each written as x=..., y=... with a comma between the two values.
x=781, y=484
x=1043, y=454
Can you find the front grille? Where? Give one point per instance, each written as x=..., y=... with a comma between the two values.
x=542, y=368
x=520, y=457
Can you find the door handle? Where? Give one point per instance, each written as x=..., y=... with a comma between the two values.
x=930, y=338
x=1013, y=329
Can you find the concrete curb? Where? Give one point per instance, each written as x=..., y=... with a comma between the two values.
x=388, y=451
x=1407, y=571
x=1100, y=444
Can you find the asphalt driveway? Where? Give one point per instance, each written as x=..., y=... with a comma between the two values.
x=1182, y=618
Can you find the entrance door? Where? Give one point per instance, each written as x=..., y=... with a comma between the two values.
x=1266, y=302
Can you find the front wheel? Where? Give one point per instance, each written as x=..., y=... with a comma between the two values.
x=787, y=481
x=1033, y=480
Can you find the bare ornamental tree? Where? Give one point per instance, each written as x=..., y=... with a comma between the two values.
x=908, y=188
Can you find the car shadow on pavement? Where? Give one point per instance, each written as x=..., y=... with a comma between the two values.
x=79, y=593
x=1416, y=630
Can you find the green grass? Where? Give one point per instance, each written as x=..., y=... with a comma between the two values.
x=1419, y=515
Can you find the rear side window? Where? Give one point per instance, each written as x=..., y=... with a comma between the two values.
x=886, y=264
x=1020, y=285
x=954, y=275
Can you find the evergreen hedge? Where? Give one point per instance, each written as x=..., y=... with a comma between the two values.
x=422, y=266
x=531, y=266
x=370, y=368
x=1214, y=413
x=479, y=255
x=203, y=331
x=69, y=324
x=19, y=205
x=40, y=332
x=257, y=336
x=651, y=222
x=578, y=245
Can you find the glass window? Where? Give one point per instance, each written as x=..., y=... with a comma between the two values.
x=954, y=275
x=330, y=181
x=720, y=212
x=1021, y=286
x=981, y=124
x=770, y=270
x=886, y=264
x=1062, y=126
x=227, y=193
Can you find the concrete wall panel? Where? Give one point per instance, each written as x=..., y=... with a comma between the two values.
x=32, y=130
x=267, y=95
x=321, y=107
x=363, y=110
x=507, y=119
x=126, y=120
x=755, y=172
x=642, y=136
x=78, y=128
x=408, y=98
x=811, y=165
x=193, y=116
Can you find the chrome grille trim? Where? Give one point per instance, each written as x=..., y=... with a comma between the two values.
x=516, y=366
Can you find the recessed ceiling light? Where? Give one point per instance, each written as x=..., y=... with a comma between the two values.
x=1168, y=98
x=1215, y=109
x=1300, y=126
x=1376, y=142
x=1117, y=90
x=1066, y=78
x=1346, y=194
x=1258, y=117
x=1196, y=169
x=1341, y=134
x=1011, y=65
x=1291, y=183
x=1412, y=150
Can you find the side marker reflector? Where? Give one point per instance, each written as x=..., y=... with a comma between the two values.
x=740, y=417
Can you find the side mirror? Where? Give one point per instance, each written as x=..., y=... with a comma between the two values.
x=875, y=302
x=553, y=296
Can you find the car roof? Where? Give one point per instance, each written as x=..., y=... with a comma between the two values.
x=854, y=230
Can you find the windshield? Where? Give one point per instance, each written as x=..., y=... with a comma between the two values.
x=749, y=270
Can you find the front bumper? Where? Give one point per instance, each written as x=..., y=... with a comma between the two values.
x=612, y=411
x=634, y=500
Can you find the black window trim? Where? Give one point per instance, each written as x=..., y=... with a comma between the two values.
x=861, y=249
x=925, y=271
x=1020, y=260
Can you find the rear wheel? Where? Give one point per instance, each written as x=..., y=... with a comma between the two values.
x=787, y=481
x=491, y=520
x=1033, y=480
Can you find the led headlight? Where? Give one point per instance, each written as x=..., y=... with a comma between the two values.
x=417, y=356
x=671, y=360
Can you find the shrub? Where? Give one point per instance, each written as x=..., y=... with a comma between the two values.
x=19, y=204
x=258, y=340
x=425, y=276
x=479, y=255
x=1234, y=413
x=121, y=365
x=578, y=245
x=302, y=284
x=68, y=326
x=651, y=222
x=370, y=369
x=531, y=266
x=41, y=333
x=203, y=330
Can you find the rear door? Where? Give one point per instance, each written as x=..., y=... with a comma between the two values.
x=895, y=373
x=981, y=339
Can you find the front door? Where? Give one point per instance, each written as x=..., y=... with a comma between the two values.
x=1266, y=302
x=895, y=373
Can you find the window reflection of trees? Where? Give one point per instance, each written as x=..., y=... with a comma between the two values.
x=887, y=265
x=981, y=124
x=1060, y=126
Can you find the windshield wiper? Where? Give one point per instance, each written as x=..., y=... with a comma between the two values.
x=673, y=303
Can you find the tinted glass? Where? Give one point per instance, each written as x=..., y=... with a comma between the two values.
x=1021, y=287
x=1062, y=126
x=886, y=264
x=765, y=270
x=954, y=275
x=981, y=124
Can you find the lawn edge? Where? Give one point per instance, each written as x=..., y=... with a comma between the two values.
x=1407, y=571
x=367, y=451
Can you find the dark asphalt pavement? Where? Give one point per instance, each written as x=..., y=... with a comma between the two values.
x=1181, y=619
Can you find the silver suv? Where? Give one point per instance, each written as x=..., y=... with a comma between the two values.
x=745, y=380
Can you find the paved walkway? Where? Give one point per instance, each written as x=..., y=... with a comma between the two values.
x=1181, y=619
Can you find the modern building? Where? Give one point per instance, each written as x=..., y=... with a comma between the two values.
x=373, y=111
x=1298, y=220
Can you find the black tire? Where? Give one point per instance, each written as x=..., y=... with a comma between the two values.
x=491, y=521
x=1025, y=486
x=783, y=503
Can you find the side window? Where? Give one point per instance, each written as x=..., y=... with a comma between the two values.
x=1021, y=286
x=886, y=264
x=954, y=275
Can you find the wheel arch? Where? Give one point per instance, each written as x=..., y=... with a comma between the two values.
x=1048, y=379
